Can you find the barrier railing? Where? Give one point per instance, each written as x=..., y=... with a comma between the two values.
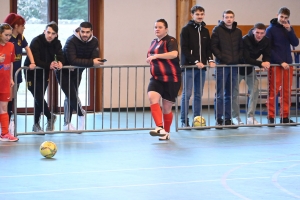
x=124, y=102
x=208, y=111
x=125, y=105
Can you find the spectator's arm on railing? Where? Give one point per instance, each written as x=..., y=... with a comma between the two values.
x=71, y=55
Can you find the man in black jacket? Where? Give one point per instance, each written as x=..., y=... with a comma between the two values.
x=227, y=46
x=81, y=50
x=195, y=50
x=45, y=48
x=255, y=44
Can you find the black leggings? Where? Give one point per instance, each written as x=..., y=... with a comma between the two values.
x=40, y=104
x=70, y=88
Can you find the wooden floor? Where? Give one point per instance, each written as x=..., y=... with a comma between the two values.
x=244, y=163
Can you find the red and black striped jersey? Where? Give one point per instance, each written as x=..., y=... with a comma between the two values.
x=166, y=70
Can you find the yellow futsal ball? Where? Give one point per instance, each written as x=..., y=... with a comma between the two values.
x=48, y=149
x=199, y=121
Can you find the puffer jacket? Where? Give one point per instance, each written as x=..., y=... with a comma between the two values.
x=253, y=50
x=43, y=53
x=80, y=53
x=227, y=44
x=281, y=39
x=195, y=43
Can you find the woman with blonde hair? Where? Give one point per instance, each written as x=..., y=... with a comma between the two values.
x=7, y=57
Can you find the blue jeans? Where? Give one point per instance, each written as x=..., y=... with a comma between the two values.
x=226, y=79
x=188, y=76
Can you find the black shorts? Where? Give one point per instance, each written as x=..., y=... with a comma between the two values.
x=167, y=90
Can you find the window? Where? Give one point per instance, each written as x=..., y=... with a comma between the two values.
x=69, y=14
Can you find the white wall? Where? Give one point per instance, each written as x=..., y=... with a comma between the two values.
x=129, y=24
x=127, y=36
x=4, y=9
x=248, y=12
x=129, y=31
x=129, y=27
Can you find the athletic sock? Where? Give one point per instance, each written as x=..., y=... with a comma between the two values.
x=168, y=121
x=156, y=114
x=4, y=120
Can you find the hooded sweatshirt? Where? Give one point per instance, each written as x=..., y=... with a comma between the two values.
x=195, y=44
x=281, y=39
x=80, y=53
x=43, y=53
x=253, y=50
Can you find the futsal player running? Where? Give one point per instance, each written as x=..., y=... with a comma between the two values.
x=166, y=78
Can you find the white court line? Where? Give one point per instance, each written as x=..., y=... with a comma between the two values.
x=224, y=177
x=151, y=168
x=179, y=138
x=134, y=185
x=275, y=181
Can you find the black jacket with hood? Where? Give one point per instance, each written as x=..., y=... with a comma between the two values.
x=43, y=53
x=80, y=53
x=227, y=44
x=253, y=50
x=195, y=44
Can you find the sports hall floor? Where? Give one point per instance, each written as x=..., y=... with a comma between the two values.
x=244, y=163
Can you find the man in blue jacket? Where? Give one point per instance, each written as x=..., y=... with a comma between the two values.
x=81, y=49
x=195, y=50
x=282, y=36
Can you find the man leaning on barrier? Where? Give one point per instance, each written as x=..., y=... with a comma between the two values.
x=255, y=44
x=44, y=47
x=282, y=36
x=227, y=46
x=82, y=50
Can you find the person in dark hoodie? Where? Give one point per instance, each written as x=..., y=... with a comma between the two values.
x=282, y=36
x=81, y=50
x=227, y=47
x=195, y=50
x=255, y=44
x=45, y=47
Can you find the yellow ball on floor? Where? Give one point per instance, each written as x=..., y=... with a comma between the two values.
x=48, y=149
x=199, y=121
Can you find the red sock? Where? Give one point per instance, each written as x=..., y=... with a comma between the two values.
x=168, y=121
x=4, y=123
x=156, y=114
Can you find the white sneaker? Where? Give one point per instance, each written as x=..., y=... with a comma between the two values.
x=252, y=121
x=69, y=127
x=158, y=131
x=237, y=121
x=166, y=137
x=81, y=122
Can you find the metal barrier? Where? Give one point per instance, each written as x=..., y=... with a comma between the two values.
x=208, y=109
x=125, y=105
x=124, y=102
